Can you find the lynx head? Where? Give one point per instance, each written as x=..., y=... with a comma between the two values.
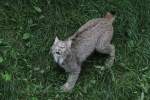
x=60, y=50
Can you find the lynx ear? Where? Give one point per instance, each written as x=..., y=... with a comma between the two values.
x=69, y=42
x=56, y=40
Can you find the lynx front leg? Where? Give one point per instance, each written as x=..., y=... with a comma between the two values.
x=68, y=86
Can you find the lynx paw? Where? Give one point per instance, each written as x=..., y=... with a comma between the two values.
x=102, y=68
x=66, y=88
x=109, y=63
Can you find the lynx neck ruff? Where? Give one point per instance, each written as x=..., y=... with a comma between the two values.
x=58, y=59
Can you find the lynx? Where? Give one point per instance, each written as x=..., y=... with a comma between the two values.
x=96, y=34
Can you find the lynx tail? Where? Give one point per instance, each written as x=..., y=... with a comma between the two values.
x=110, y=17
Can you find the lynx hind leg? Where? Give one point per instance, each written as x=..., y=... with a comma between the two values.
x=107, y=49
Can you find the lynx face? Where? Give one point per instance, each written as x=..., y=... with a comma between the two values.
x=60, y=49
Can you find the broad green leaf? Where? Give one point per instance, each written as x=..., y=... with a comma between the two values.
x=93, y=81
x=37, y=9
x=6, y=76
x=42, y=71
x=1, y=59
x=34, y=98
x=26, y=36
x=41, y=17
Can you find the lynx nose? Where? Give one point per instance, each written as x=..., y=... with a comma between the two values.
x=58, y=53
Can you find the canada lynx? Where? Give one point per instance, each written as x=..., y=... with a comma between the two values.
x=96, y=34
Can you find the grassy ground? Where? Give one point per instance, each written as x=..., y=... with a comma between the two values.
x=28, y=28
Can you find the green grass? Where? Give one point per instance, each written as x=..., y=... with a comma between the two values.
x=27, y=31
